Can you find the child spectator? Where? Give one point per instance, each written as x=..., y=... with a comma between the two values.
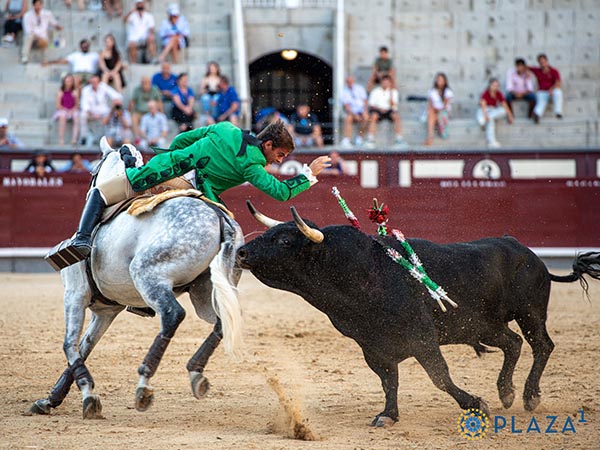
x=305, y=127
x=492, y=106
x=110, y=64
x=14, y=11
x=67, y=108
x=382, y=66
x=8, y=140
x=549, y=84
x=36, y=23
x=209, y=88
x=383, y=104
x=153, y=128
x=439, y=100
x=174, y=33
x=78, y=164
x=140, y=32
x=183, y=104
x=39, y=164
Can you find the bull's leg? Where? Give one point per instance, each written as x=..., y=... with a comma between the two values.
x=510, y=343
x=102, y=318
x=161, y=299
x=197, y=363
x=388, y=373
x=432, y=360
x=534, y=330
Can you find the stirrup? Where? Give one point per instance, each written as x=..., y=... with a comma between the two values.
x=64, y=255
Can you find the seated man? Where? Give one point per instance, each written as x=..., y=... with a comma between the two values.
x=140, y=32
x=519, y=86
x=354, y=101
x=166, y=82
x=382, y=66
x=228, y=103
x=305, y=127
x=138, y=105
x=383, y=104
x=95, y=98
x=36, y=23
x=118, y=125
x=82, y=64
x=8, y=140
x=549, y=84
x=154, y=128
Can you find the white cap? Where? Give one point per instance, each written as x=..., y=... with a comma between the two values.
x=173, y=9
x=3, y=122
x=139, y=1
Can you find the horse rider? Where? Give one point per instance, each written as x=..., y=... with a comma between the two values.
x=222, y=155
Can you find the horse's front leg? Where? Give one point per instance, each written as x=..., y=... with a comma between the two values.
x=162, y=300
x=197, y=363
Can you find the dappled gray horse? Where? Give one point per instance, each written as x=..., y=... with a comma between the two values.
x=183, y=245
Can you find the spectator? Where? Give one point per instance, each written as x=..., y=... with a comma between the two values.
x=183, y=104
x=39, y=164
x=267, y=116
x=153, y=128
x=36, y=23
x=174, y=33
x=95, y=107
x=14, y=12
x=382, y=66
x=166, y=82
x=118, y=125
x=80, y=4
x=113, y=8
x=110, y=64
x=492, y=106
x=519, y=86
x=383, y=104
x=138, y=105
x=549, y=84
x=78, y=164
x=354, y=101
x=228, y=103
x=140, y=32
x=83, y=63
x=67, y=108
x=8, y=140
x=439, y=100
x=337, y=166
x=305, y=127
x=210, y=88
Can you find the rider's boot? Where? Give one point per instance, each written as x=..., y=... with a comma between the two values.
x=92, y=212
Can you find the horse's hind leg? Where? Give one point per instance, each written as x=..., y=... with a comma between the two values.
x=197, y=363
x=161, y=299
x=102, y=317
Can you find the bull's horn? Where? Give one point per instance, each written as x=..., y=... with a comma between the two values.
x=266, y=221
x=311, y=233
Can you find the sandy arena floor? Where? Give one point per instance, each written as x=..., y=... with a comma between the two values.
x=321, y=375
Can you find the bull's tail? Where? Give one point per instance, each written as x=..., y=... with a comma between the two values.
x=584, y=264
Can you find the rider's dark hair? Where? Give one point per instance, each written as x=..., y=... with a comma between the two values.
x=278, y=133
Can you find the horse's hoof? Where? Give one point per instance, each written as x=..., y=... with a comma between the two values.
x=200, y=384
x=39, y=407
x=532, y=403
x=144, y=397
x=484, y=408
x=92, y=408
x=507, y=399
x=382, y=422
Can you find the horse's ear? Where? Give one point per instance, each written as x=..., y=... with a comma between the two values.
x=106, y=149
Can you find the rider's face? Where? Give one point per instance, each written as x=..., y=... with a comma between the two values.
x=274, y=155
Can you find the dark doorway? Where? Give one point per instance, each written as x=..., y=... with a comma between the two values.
x=283, y=84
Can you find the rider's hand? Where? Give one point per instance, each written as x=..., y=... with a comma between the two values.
x=320, y=163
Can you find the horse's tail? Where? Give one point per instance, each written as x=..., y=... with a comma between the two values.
x=584, y=264
x=224, y=295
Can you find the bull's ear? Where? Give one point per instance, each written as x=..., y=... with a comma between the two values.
x=104, y=147
x=311, y=233
x=266, y=221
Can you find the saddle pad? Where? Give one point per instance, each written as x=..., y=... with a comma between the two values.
x=147, y=204
x=114, y=210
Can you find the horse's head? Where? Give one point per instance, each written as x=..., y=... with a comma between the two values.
x=114, y=162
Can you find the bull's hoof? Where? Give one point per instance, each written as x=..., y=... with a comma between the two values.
x=39, y=407
x=532, y=402
x=382, y=422
x=144, y=397
x=92, y=408
x=200, y=384
x=507, y=398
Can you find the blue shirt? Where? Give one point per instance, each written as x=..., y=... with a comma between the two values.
x=164, y=85
x=226, y=99
x=184, y=98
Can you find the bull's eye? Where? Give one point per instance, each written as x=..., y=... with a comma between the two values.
x=284, y=241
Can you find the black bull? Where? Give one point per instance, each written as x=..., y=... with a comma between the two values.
x=371, y=299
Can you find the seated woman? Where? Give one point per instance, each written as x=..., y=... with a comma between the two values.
x=174, y=33
x=110, y=64
x=183, y=104
x=67, y=108
x=209, y=88
x=438, y=108
x=14, y=11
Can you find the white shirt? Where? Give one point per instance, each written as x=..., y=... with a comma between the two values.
x=384, y=99
x=83, y=62
x=96, y=101
x=355, y=97
x=138, y=26
x=436, y=99
x=38, y=25
x=518, y=83
x=154, y=125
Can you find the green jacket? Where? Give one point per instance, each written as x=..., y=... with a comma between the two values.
x=214, y=152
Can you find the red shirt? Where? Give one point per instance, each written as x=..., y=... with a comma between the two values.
x=491, y=101
x=545, y=79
